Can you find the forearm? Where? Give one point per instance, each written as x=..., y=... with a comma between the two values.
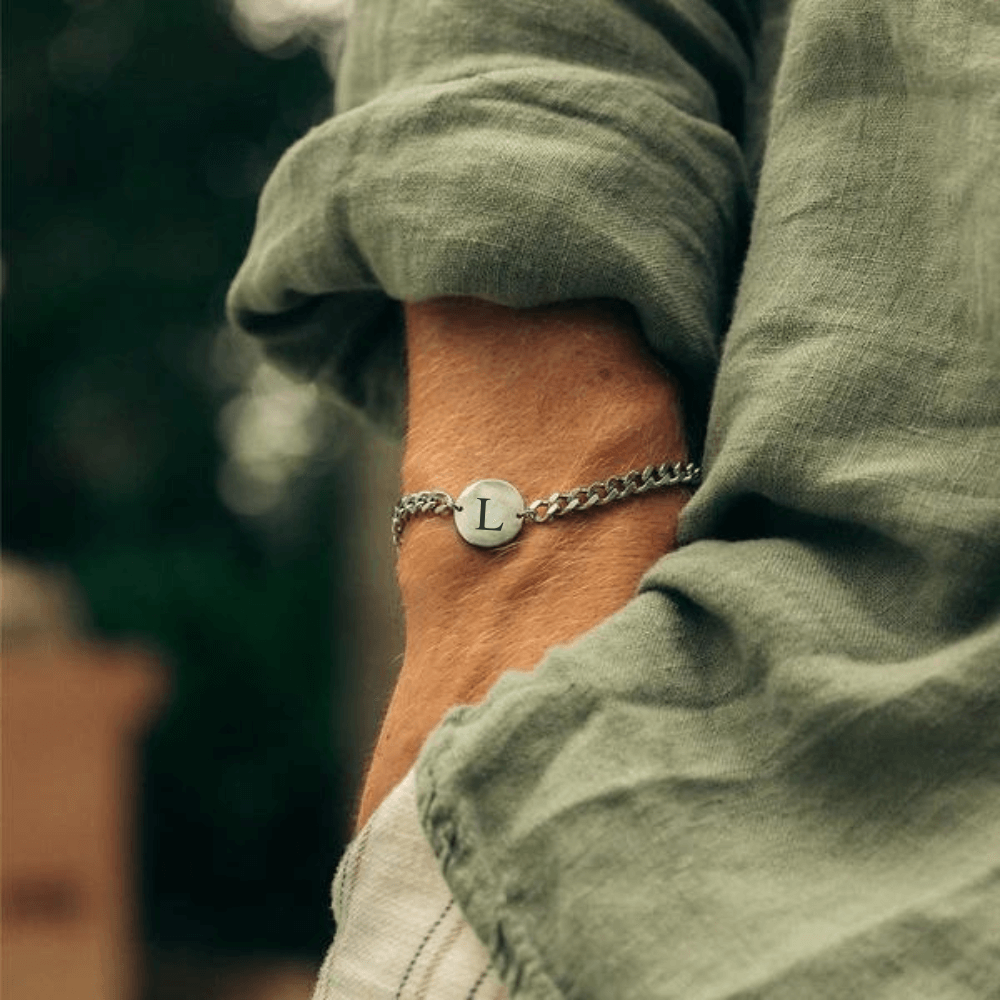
x=547, y=399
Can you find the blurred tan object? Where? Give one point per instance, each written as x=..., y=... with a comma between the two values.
x=38, y=605
x=72, y=713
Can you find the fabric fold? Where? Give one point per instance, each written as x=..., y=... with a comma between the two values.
x=515, y=154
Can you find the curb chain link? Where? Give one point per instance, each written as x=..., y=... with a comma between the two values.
x=613, y=488
x=412, y=504
x=558, y=504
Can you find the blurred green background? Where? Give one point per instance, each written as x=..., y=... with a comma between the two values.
x=192, y=496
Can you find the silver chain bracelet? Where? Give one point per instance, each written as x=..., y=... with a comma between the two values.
x=491, y=512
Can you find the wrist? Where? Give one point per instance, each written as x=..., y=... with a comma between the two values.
x=547, y=399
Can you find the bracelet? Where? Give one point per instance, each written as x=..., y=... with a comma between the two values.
x=491, y=512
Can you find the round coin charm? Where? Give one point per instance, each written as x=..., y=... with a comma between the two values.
x=489, y=514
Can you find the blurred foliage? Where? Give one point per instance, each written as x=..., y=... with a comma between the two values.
x=137, y=135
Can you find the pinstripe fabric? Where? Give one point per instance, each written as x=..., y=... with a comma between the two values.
x=400, y=934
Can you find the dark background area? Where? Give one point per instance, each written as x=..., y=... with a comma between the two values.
x=137, y=136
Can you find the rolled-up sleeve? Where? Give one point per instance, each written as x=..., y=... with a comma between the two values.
x=524, y=153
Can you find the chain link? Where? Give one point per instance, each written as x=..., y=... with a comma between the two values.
x=606, y=491
x=580, y=498
x=412, y=504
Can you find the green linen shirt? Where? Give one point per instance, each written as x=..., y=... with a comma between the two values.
x=773, y=774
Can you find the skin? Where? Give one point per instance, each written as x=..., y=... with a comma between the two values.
x=546, y=398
